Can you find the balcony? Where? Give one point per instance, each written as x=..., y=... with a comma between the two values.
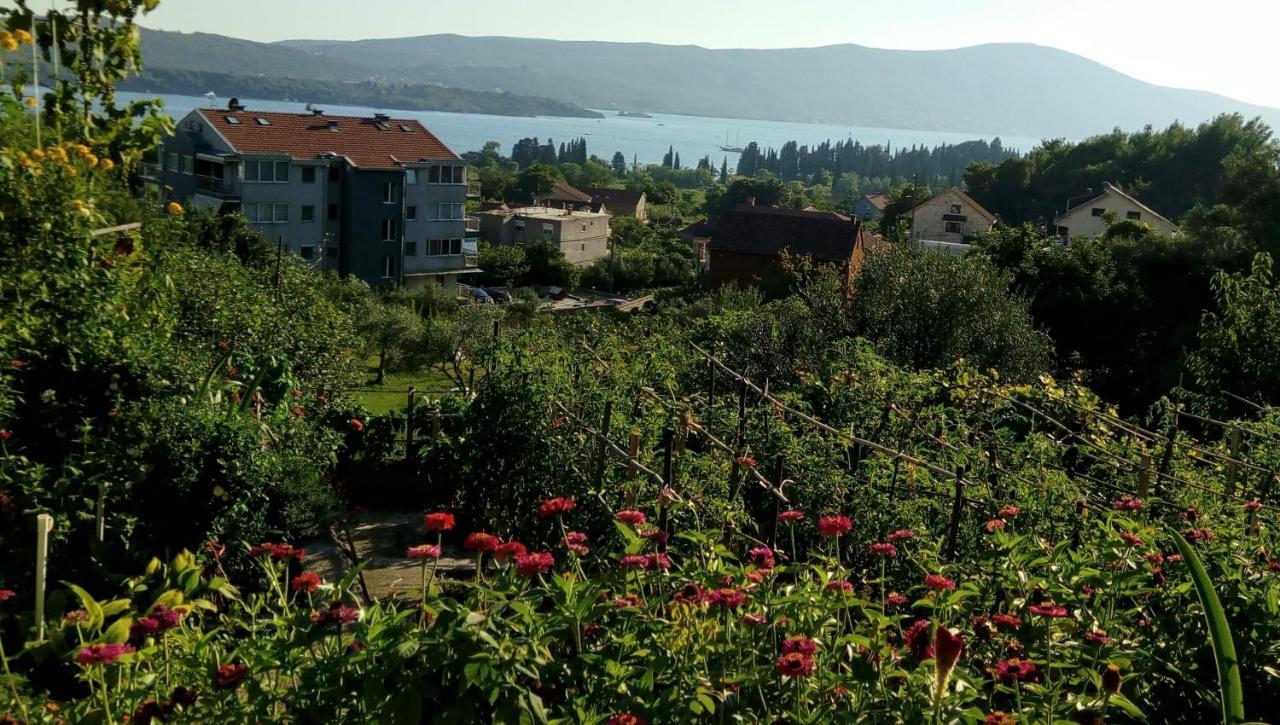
x=152, y=172
x=473, y=224
x=213, y=186
x=473, y=189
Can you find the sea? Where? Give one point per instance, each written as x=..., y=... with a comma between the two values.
x=644, y=140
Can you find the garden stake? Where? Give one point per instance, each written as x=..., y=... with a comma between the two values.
x=668, y=469
x=412, y=398
x=1233, y=448
x=44, y=525
x=436, y=420
x=956, y=509
x=101, y=529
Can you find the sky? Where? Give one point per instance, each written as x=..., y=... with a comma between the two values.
x=1226, y=46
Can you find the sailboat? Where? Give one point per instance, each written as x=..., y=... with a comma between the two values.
x=211, y=96
x=736, y=149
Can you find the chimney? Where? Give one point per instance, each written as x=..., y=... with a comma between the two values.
x=751, y=201
x=317, y=112
x=235, y=105
x=381, y=117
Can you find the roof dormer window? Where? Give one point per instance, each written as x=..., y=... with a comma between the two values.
x=233, y=120
x=263, y=121
x=406, y=128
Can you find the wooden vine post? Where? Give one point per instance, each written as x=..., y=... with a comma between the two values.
x=598, y=468
x=1144, y=477
x=957, y=508
x=1233, y=463
x=668, y=469
x=711, y=376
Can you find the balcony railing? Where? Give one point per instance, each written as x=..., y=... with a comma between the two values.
x=473, y=223
x=150, y=171
x=470, y=260
x=473, y=189
x=216, y=187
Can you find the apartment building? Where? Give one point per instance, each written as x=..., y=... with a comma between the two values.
x=375, y=197
x=583, y=235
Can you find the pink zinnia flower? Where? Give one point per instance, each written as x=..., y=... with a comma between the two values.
x=657, y=560
x=626, y=718
x=902, y=535
x=1048, y=609
x=1194, y=535
x=1127, y=503
x=894, y=600
x=995, y=525
x=1006, y=620
x=691, y=593
x=337, y=613
x=1014, y=670
x=635, y=518
x=102, y=654
x=762, y=556
x=438, y=521
x=790, y=516
x=728, y=598
x=918, y=638
x=797, y=643
x=425, y=551
x=1098, y=636
x=557, y=506
x=795, y=664
x=574, y=538
x=7, y=594
x=632, y=561
x=1131, y=540
x=657, y=536
x=229, y=676
x=832, y=526
x=839, y=585
x=535, y=563
x=480, y=542
x=143, y=627
x=1008, y=512
x=937, y=582
x=508, y=550
x=884, y=549
x=307, y=581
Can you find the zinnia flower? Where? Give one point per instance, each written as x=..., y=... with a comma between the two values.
x=948, y=645
x=7, y=594
x=1131, y=540
x=508, y=550
x=635, y=518
x=574, y=538
x=478, y=541
x=902, y=535
x=298, y=411
x=839, y=585
x=627, y=600
x=1048, y=609
x=691, y=593
x=102, y=654
x=632, y=561
x=656, y=535
x=787, y=517
x=423, y=552
x=918, y=639
x=1014, y=670
x=307, y=581
x=796, y=643
x=557, y=506
x=229, y=676
x=1127, y=503
x=1098, y=636
x=534, y=564
x=883, y=549
x=626, y=718
x=894, y=600
x=746, y=461
x=995, y=525
x=728, y=598
x=438, y=522
x=337, y=613
x=656, y=560
x=1194, y=535
x=1008, y=512
x=795, y=664
x=937, y=582
x=1111, y=679
x=1006, y=620
x=1254, y=505
x=999, y=717
x=832, y=526
x=356, y=424
x=762, y=556
x=144, y=627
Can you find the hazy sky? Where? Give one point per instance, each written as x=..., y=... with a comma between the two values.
x=1227, y=46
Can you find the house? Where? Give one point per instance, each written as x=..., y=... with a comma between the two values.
x=375, y=197
x=1089, y=218
x=563, y=196
x=698, y=236
x=870, y=207
x=583, y=235
x=747, y=244
x=623, y=202
x=952, y=216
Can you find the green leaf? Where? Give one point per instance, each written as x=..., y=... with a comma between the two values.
x=89, y=604
x=118, y=632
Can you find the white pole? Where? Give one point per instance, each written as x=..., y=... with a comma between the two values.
x=102, y=511
x=35, y=73
x=44, y=525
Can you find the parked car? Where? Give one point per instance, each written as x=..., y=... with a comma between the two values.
x=479, y=295
x=502, y=297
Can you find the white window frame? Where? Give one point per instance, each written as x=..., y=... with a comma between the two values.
x=388, y=267
x=411, y=177
x=948, y=227
x=456, y=174
x=389, y=192
x=255, y=177
x=548, y=229
x=389, y=230
x=451, y=212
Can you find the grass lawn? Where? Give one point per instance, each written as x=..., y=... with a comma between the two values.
x=391, y=396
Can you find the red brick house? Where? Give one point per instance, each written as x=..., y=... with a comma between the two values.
x=747, y=244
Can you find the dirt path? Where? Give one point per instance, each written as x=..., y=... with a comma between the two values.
x=381, y=538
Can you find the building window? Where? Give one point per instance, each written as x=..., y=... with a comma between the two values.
x=173, y=164
x=307, y=251
x=411, y=176
x=447, y=175
x=955, y=208
x=389, y=192
x=333, y=212
x=267, y=172
x=519, y=225
x=1063, y=232
x=584, y=227
x=455, y=246
x=334, y=175
x=410, y=249
x=388, y=267
x=411, y=213
x=953, y=228
x=1134, y=215
x=268, y=213
x=548, y=228
x=308, y=174
x=451, y=212
x=388, y=230
x=584, y=247
x=1099, y=211
x=443, y=247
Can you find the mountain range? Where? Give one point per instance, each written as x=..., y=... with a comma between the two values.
x=1015, y=89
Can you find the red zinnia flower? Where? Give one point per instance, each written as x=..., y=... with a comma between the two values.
x=7, y=594
x=17, y=363
x=1006, y=620
x=635, y=518
x=438, y=522
x=278, y=551
x=656, y=535
x=632, y=561
x=691, y=593
x=796, y=643
x=143, y=627
x=574, y=538
x=728, y=598
x=626, y=718
x=1127, y=503
x=627, y=600
x=1194, y=535
x=356, y=424
x=298, y=411
x=1111, y=679
x=839, y=585
x=895, y=600
x=1014, y=670
x=1098, y=636
x=1254, y=505
x=884, y=549
x=762, y=556
x=508, y=550
x=747, y=461
x=102, y=654
x=995, y=525
x=902, y=535
x=937, y=582
x=307, y=581
x=479, y=541
x=789, y=516
x=168, y=618
x=338, y=614
x=831, y=526
x=657, y=560
x=918, y=639
x=230, y=675
x=999, y=717
x=795, y=664
x=1048, y=609
x=1131, y=540
x=1008, y=512
x=557, y=506
x=423, y=552
x=535, y=563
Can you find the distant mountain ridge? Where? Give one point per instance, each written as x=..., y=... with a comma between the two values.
x=1020, y=89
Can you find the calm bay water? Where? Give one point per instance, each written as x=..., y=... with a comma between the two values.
x=644, y=139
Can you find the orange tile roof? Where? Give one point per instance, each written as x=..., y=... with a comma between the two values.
x=306, y=136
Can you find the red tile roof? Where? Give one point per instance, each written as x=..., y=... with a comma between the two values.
x=767, y=230
x=306, y=136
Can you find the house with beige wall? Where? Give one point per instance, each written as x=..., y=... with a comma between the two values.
x=1089, y=218
x=952, y=216
x=583, y=236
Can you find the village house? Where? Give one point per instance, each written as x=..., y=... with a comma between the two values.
x=870, y=207
x=374, y=197
x=952, y=217
x=583, y=236
x=1089, y=218
x=564, y=196
x=621, y=202
x=747, y=244
x=698, y=236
